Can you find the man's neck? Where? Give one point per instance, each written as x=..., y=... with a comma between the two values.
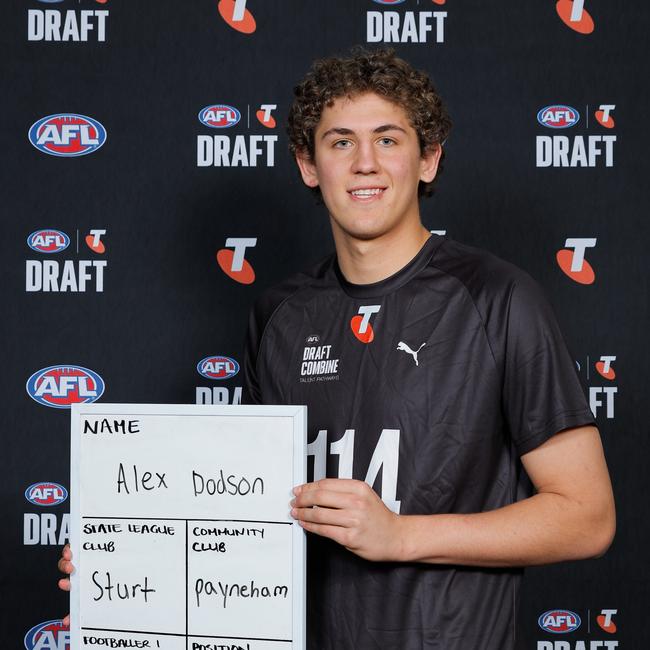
x=373, y=260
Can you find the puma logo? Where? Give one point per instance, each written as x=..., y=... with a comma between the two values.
x=414, y=353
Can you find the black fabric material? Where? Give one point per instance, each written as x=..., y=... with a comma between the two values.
x=493, y=381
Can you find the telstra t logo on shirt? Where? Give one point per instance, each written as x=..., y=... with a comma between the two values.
x=233, y=263
x=573, y=262
x=575, y=16
x=234, y=12
x=360, y=324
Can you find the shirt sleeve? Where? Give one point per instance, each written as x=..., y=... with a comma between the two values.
x=251, y=390
x=542, y=394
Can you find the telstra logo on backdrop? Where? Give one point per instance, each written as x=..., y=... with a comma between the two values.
x=233, y=262
x=235, y=13
x=575, y=16
x=605, y=620
x=571, y=259
x=67, y=135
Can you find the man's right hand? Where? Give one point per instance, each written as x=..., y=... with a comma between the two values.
x=65, y=566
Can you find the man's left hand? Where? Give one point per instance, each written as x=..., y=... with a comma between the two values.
x=351, y=513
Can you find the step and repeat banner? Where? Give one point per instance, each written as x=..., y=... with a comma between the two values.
x=149, y=197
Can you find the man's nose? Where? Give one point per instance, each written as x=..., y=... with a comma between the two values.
x=365, y=159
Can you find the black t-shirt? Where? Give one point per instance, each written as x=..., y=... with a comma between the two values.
x=429, y=386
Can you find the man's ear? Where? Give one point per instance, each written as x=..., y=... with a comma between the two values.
x=307, y=169
x=429, y=163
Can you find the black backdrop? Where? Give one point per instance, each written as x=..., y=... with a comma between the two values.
x=145, y=70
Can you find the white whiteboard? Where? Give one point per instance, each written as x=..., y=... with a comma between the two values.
x=180, y=527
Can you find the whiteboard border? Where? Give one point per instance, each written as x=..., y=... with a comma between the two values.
x=299, y=416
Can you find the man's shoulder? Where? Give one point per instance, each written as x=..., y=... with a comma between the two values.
x=484, y=275
x=272, y=298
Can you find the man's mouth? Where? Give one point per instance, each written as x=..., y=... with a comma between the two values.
x=367, y=192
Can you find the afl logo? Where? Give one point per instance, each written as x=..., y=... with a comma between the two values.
x=558, y=116
x=217, y=367
x=48, y=241
x=51, y=635
x=219, y=116
x=67, y=135
x=559, y=621
x=46, y=494
x=61, y=386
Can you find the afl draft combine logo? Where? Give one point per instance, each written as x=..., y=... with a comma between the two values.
x=233, y=262
x=235, y=13
x=217, y=367
x=46, y=494
x=573, y=262
x=48, y=241
x=559, y=621
x=360, y=324
x=575, y=16
x=67, y=135
x=61, y=386
x=51, y=635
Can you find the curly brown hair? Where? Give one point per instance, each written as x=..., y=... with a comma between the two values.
x=375, y=71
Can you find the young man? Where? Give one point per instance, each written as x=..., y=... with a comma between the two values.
x=434, y=373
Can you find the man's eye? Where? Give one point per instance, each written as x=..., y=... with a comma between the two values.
x=387, y=141
x=343, y=144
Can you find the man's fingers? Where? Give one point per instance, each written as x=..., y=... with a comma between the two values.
x=325, y=498
x=325, y=516
x=333, y=484
x=64, y=583
x=335, y=533
x=66, y=620
x=65, y=566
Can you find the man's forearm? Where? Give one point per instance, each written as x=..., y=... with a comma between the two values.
x=542, y=529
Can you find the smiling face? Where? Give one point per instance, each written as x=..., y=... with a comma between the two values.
x=368, y=164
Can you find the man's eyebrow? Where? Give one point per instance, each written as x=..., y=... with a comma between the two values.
x=337, y=131
x=380, y=129
x=388, y=127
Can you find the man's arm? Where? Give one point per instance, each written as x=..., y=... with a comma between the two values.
x=570, y=517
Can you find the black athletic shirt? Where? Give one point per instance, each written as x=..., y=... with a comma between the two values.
x=428, y=385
